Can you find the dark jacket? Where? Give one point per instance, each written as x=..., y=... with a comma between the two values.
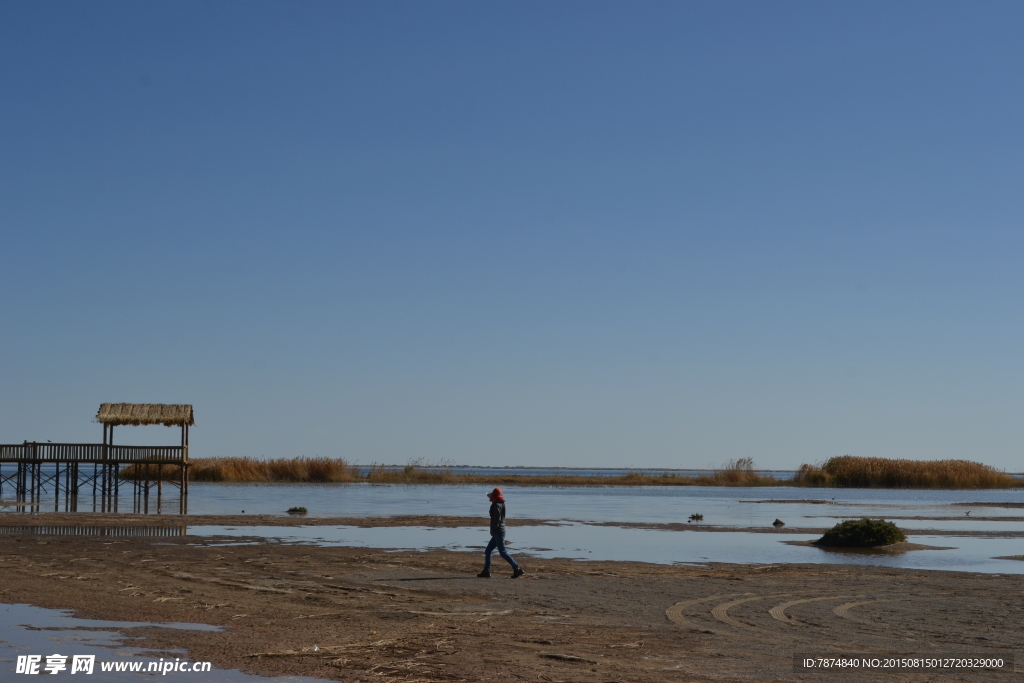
x=497, y=518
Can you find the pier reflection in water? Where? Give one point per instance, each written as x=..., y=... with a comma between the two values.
x=114, y=531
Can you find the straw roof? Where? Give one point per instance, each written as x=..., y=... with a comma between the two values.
x=169, y=415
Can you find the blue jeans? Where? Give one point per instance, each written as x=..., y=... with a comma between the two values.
x=498, y=542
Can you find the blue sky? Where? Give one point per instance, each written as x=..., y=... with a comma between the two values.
x=578, y=234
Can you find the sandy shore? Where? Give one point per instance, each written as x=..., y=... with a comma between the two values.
x=423, y=616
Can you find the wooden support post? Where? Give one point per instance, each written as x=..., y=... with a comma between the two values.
x=185, y=458
x=108, y=474
x=96, y=471
x=110, y=454
x=135, y=487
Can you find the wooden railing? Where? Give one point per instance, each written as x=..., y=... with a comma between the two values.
x=91, y=452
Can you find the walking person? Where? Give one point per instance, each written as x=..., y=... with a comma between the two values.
x=498, y=537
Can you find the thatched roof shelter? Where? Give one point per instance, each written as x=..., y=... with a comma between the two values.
x=169, y=415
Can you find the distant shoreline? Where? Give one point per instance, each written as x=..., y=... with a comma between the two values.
x=840, y=472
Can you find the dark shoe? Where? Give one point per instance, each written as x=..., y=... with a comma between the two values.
x=483, y=575
x=517, y=573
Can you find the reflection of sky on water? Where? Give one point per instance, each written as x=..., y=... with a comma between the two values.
x=71, y=637
x=719, y=505
x=587, y=542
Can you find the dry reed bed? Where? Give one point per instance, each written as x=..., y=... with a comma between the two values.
x=842, y=472
x=848, y=471
x=328, y=470
x=251, y=470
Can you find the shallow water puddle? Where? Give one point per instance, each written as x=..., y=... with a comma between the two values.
x=28, y=630
x=589, y=542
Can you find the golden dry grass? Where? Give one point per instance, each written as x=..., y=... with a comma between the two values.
x=327, y=470
x=854, y=472
x=418, y=476
x=845, y=471
x=251, y=470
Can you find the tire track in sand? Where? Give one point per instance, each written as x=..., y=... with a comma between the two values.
x=721, y=612
x=779, y=611
x=675, y=612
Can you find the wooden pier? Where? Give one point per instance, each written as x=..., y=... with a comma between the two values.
x=72, y=472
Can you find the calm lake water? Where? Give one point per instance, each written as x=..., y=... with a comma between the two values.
x=725, y=506
x=739, y=508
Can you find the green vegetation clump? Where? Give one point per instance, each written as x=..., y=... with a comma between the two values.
x=862, y=533
x=853, y=472
x=297, y=511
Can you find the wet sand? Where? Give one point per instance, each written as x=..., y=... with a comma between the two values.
x=375, y=615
